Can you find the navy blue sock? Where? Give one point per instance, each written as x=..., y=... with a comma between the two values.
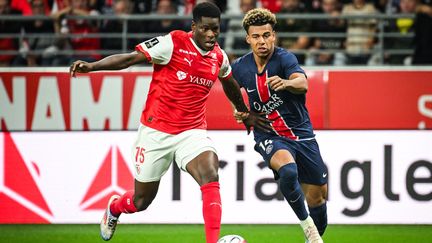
x=319, y=215
x=291, y=189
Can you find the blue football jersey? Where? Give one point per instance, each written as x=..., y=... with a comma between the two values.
x=287, y=110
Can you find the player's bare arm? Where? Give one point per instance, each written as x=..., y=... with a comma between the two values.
x=297, y=83
x=252, y=119
x=113, y=62
x=232, y=91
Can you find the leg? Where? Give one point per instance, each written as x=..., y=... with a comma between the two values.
x=158, y=157
x=283, y=162
x=204, y=169
x=316, y=197
x=134, y=201
x=129, y=202
x=314, y=178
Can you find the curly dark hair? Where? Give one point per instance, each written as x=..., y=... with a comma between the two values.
x=258, y=17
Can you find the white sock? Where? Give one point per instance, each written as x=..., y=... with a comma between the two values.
x=307, y=222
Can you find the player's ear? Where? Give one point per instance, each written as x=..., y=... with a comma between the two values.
x=248, y=39
x=193, y=26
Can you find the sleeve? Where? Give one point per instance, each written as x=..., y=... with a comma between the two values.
x=225, y=69
x=290, y=64
x=158, y=50
x=235, y=72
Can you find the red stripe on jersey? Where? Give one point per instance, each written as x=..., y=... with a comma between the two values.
x=261, y=84
x=279, y=125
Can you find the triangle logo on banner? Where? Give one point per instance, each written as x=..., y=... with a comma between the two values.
x=20, y=196
x=113, y=177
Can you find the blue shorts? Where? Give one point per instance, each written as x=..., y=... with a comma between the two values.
x=310, y=165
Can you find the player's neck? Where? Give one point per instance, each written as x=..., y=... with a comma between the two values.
x=261, y=62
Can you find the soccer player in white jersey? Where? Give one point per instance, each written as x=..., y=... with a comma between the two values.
x=173, y=122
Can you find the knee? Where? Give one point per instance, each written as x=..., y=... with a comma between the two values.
x=207, y=172
x=288, y=173
x=210, y=176
x=316, y=199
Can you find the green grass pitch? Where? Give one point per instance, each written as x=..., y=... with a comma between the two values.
x=146, y=233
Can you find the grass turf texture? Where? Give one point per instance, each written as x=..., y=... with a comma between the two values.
x=195, y=233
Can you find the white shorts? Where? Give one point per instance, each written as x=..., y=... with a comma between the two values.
x=153, y=151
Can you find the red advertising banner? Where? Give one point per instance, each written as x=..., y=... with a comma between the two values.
x=53, y=101
x=39, y=100
x=379, y=100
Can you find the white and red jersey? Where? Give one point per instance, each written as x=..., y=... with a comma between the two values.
x=182, y=78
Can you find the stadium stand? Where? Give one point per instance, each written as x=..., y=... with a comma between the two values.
x=99, y=28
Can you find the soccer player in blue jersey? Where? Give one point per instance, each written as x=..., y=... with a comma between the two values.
x=276, y=86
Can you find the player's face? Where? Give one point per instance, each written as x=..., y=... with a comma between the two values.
x=261, y=39
x=205, y=32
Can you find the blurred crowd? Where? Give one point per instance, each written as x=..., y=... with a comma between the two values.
x=57, y=41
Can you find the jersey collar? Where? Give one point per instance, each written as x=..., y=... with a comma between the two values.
x=201, y=51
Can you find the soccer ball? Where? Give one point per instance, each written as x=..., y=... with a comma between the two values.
x=232, y=239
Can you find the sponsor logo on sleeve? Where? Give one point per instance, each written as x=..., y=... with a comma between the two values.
x=152, y=42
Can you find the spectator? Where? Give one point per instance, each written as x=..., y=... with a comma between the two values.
x=295, y=44
x=403, y=26
x=382, y=5
x=316, y=55
x=85, y=48
x=58, y=5
x=8, y=27
x=313, y=6
x=143, y=6
x=120, y=7
x=423, y=34
x=102, y=6
x=273, y=5
x=32, y=48
x=165, y=7
x=21, y=5
x=361, y=32
x=235, y=26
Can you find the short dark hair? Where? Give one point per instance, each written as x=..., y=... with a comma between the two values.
x=258, y=17
x=205, y=9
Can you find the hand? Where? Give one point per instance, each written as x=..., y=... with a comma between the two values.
x=258, y=121
x=276, y=83
x=240, y=116
x=79, y=67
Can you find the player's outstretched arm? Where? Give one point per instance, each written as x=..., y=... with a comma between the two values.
x=296, y=83
x=232, y=91
x=113, y=62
